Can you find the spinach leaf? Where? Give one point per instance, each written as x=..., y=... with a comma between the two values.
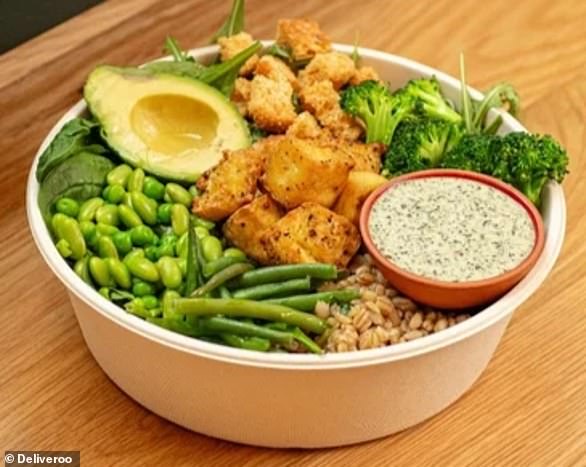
x=256, y=133
x=72, y=138
x=80, y=177
x=279, y=51
x=234, y=24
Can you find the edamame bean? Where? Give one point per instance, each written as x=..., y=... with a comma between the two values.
x=119, y=175
x=201, y=232
x=178, y=194
x=211, y=248
x=114, y=193
x=136, y=180
x=88, y=230
x=152, y=252
x=100, y=272
x=104, y=292
x=182, y=263
x=135, y=253
x=63, y=248
x=106, y=229
x=81, y=269
x=119, y=272
x=179, y=219
x=234, y=253
x=142, y=235
x=167, y=299
x=164, y=213
x=150, y=302
x=107, y=214
x=67, y=228
x=88, y=209
x=199, y=222
x=141, y=288
x=123, y=242
x=153, y=188
x=67, y=206
x=145, y=207
x=181, y=246
x=128, y=217
x=193, y=191
x=143, y=269
x=106, y=247
x=170, y=272
x=126, y=200
x=166, y=249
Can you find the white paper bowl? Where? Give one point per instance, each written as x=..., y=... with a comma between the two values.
x=282, y=400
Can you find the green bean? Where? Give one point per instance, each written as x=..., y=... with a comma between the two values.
x=114, y=193
x=106, y=247
x=164, y=213
x=63, y=248
x=141, y=288
x=259, y=292
x=170, y=272
x=87, y=210
x=153, y=188
x=211, y=248
x=248, y=343
x=285, y=272
x=179, y=219
x=309, y=344
x=128, y=217
x=307, y=302
x=142, y=235
x=247, y=309
x=178, y=194
x=235, y=253
x=218, y=324
x=150, y=302
x=224, y=292
x=176, y=325
x=144, y=206
x=67, y=206
x=199, y=222
x=119, y=272
x=119, y=175
x=106, y=229
x=82, y=270
x=100, y=272
x=122, y=241
x=143, y=269
x=67, y=228
x=217, y=265
x=107, y=214
x=135, y=180
x=221, y=278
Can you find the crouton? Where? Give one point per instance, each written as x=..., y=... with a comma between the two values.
x=270, y=105
x=241, y=95
x=304, y=126
x=366, y=157
x=321, y=99
x=332, y=66
x=276, y=69
x=303, y=37
x=244, y=228
x=300, y=170
x=232, y=45
x=364, y=73
x=311, y=233
x=229, y=185
x=358, y=187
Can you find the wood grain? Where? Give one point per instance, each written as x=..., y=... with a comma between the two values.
x=528, y=407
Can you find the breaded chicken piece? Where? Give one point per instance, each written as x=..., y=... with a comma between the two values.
x=244, y=228
x=299, y=170
x=364, y=73
x=311, y=233
x=276, y=69
x=303, y=37
x=241, y=95
x=271, y=105
x=333, y=66
x=304, y=126
x=233, y=45
x=366, y=157
x=229, y=185
x=322, y=100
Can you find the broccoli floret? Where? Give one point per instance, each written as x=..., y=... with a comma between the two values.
x=420, y=144
x=429, y=100
x=524, y=160
x=374, y=104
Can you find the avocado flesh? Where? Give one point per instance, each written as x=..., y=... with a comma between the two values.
x=173, y=127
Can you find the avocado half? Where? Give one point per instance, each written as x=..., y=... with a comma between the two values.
x=171, y=126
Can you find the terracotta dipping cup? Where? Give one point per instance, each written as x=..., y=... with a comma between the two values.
x=452, y=295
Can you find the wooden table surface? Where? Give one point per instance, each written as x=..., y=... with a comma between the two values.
x=528, y=408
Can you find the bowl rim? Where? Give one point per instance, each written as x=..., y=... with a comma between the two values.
x=508, y=190
x=492, y=314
